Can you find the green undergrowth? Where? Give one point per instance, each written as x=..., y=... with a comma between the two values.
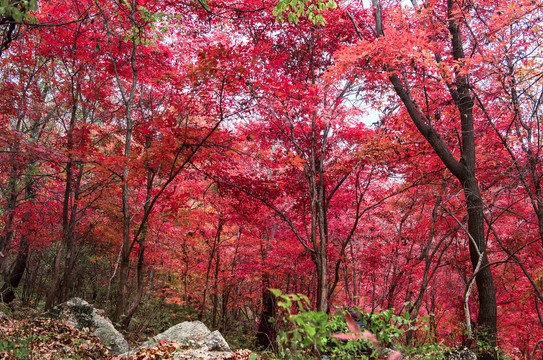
x=306, y=334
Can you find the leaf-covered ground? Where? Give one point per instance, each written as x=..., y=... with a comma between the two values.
x=47, y=339
x=50, y=339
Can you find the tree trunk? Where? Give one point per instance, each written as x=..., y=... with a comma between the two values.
x=15, y=274
x=319, y=231
x=68, y=217
x=322, y=275
x=140, y=285
x=127, y=95
x=224, y=308
x=30, y=279
x=18, y=267
x=216, y=292
x=11, y=204
x=213, y=249
x=121, y=293
x=322, y=283
x=124, y=266
x=266, y=333
x=487, y=318
x=150, y=283
x=7, y=234
x=69, y=261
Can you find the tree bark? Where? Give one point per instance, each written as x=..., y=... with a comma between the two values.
x=127, y=94
x=7, y=234
x=140, y=285
x=216, y=292
x=69, y=209
x=266, y=333
x=14, y=276
x=7, y=292
x=213, y=250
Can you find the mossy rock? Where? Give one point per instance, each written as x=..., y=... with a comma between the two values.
x=80, y=314
x=76, y=312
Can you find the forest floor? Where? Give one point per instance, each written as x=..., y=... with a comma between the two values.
x=24, y=335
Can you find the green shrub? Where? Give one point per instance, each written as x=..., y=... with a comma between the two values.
x=305, y=334
x=302, y=335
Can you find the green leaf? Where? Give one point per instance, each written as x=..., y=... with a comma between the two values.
x=16, y=14
x=319, y=19
x=204, y=3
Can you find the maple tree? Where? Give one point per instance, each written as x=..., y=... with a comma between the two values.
x=438, y=81
x=302, y=144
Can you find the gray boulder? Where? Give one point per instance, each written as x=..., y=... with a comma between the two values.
x=193, y=334
x=80, y=314
x=216, y=342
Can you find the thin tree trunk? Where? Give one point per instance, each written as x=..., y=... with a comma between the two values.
x=7, y=233
x=216, y=292
x=140, y=285
x=11, y=204
x=68, y=217
x=319, y=236
x=13, y=278
x=213, y=249
x=124, y=266
x=224, y=308
x=140, y=267
x=127, y=95
x=266, y=332
x=69, y=262
x=30, y=278
x=150, y=283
